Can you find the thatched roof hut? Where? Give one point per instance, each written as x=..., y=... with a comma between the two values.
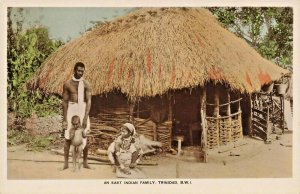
x=153, y=50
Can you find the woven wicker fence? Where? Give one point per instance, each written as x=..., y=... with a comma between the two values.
x=106, y=126
x=222, y=130
x=160, y=132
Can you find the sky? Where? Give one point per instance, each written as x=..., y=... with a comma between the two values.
x=67, y=23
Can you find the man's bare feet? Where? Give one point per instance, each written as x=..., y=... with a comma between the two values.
x=86, y=165
x=126, y=171
x=114, y=170
x=66, y=166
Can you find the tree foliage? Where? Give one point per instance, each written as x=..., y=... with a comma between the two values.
x=268, y=29
x=26, y=51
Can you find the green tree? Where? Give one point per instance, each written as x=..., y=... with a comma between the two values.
x=268, y=29
x=26, y=52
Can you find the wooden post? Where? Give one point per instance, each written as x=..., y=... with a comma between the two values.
x=138, y=110
x=240, y=115
x=268, y=132
x=250, y=116
x=282, y=112
x=131, y=108
x=239, y=103
x=170, y=118
x=179, y=140
x=216, y=101
x=154, y=131
x=203, y=123
x=170, y=108
x=191, y=134
x=217, y=109
x=228, y=111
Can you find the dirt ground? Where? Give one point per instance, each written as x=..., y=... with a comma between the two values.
x=253, y=160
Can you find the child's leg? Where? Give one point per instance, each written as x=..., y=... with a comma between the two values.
x=74, y=157
x=80, y=149
x=134, y=156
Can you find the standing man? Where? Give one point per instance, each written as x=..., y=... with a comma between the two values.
x=76, y=101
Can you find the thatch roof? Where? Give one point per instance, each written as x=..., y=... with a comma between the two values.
x=153, y=50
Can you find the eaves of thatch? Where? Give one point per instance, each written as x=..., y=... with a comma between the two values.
x=153, y=50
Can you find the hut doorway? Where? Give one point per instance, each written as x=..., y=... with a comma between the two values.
x=186, y=116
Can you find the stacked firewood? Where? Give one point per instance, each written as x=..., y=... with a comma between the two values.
x=101, y=135
x=164, y=131
x=158, y=132
x=114, y=117
x=145, y=127
x=105, y=126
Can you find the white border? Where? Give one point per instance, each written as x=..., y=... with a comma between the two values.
x=239, y=185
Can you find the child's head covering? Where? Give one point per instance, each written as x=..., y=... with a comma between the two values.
x=130, y=127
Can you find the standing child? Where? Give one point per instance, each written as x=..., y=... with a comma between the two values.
x=77, y=134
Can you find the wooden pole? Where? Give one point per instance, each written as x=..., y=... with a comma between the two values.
x=170, y=107
x=179, y=140
x=217, y=109
x=268, y=132
x=282, y=112
x=138, y=110
x=177, y=159
x=170, y=118
x=191, y=134
x=203, y=123
x=216, y=101
x=228, y=112
x=240, y=116
x=249, y=123
x=131, y=108
x=154, y=131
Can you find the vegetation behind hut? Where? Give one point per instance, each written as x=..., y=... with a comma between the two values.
x=267, y=29
x=26, y=51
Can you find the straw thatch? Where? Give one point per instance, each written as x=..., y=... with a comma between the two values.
x=153, y=50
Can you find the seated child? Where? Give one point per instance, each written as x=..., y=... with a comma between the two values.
x=76, y=136
x=123, y=152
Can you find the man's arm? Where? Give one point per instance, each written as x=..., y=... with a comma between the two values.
x=65, y=105
x=88, y=96
x=72, y=133
x=83, y=133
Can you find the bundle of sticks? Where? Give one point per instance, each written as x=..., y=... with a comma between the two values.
x=115, y=119
x=164, y=134
x=101, y=135
x=145, y=127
